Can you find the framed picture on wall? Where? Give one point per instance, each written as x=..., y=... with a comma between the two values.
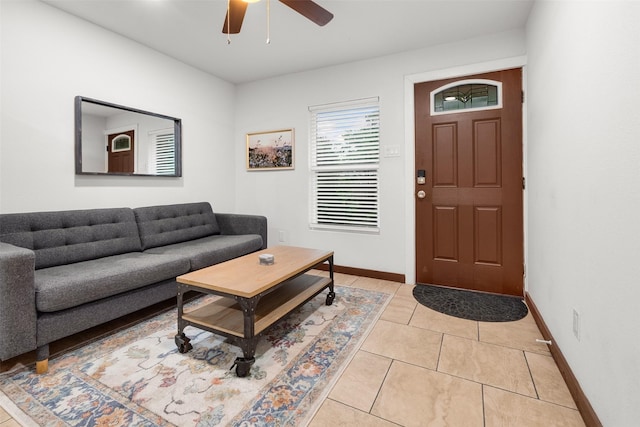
x=270, y=150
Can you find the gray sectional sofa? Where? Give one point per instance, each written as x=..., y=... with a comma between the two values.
x=64, y=272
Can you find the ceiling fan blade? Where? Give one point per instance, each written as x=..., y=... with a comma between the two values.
x=235, y=16
x=310, y=10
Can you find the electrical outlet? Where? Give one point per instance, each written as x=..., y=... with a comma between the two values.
x=576, y=324
x=281, y=236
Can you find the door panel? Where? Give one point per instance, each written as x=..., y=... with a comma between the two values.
x=445, y=233
x=445, y=155
x=487, y=154
x=488, y=235
x=469, y=231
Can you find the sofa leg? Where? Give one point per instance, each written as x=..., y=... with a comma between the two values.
x=42, y=359
x=42, y=366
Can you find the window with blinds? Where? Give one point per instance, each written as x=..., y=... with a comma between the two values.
x=165, y=154
x=345, y=154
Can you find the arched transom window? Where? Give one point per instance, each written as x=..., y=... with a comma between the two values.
x=465, y=95
x=121, y=143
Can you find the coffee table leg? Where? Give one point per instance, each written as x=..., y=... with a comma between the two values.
x=182, y=342
x=249, y=342
x=332, y=295
x=243, y=364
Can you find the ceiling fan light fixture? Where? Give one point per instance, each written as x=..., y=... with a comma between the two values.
x=308, y=8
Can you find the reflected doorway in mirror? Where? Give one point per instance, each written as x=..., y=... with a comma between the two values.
x=120, y=148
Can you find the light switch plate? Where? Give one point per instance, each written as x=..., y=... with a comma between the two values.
x=391, y=151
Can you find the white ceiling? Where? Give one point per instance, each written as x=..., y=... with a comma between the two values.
x=191, y=30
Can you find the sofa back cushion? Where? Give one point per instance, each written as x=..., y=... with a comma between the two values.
x=65, y=237
x=168, y=224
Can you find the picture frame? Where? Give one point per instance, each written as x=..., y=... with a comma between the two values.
x=271, y=150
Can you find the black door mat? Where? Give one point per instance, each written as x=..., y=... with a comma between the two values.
x=471, y=305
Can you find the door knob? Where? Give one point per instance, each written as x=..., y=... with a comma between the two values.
x=421, y=194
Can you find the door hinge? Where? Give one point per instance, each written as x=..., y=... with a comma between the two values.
x=524, y=183
x=522, y=96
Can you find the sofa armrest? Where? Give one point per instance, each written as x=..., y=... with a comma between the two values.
x=243, y=224
x=17, y=301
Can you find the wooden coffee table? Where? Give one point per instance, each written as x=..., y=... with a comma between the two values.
x=255, y=296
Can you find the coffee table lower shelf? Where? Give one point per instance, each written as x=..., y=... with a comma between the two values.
x=243, y=319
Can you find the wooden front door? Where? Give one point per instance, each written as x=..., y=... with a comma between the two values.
x=469, y=215
x=120, y=148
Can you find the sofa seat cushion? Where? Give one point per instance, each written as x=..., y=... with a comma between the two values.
x=65, y=286
x=212, y=249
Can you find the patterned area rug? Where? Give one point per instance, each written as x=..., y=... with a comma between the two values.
x=137, y=377
x=471, y=305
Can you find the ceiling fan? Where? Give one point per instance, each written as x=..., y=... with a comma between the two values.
x=307, y=8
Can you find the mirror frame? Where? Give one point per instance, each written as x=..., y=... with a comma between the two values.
x=177, y=128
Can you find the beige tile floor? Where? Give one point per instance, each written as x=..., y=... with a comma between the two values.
x=6, y=420
x=419, y=367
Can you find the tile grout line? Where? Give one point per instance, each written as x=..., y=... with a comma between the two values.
x=526, y=360
x=482, y=385
x=484, y=411
x=349, y=406
x=379, y=389
x=413, y=313
x=440, y=352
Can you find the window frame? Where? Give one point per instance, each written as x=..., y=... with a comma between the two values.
x=361, y=168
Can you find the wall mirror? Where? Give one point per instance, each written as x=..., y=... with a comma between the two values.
x=116, y=140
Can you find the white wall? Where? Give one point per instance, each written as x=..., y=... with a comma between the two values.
x=283, y=103
x=48, y=57
x=584, y=193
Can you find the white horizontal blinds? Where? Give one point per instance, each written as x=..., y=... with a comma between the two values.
x=347, y=136
x=347, y=198
x=165, y=154
x=344, y=162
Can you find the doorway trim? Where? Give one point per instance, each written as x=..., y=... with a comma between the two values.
x=409, y=147
x=126, y=128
